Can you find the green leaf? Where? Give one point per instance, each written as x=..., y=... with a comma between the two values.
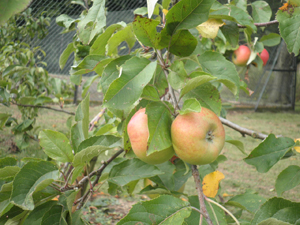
x=187, y=14
x=127, y=89
x=232, y=13
x=87, y=84
x=199, y=79
x=126, y=35
x=190, y=105
x=236, y=143
x=93, y=22
x=195, y=216
x=98, y=47
x=261, y=12
x=9, y=8
x=3, y=118
x=67, y=22
x=91, y=63
x=216, y=64
x=177, y=75
x=53, y=216
x=269, y=152
x=166, y=3
x=8, y=172
x=65, y=55
x=183, y=43
x=24, y=126
x=271, y=39
x=289, y=27
x=150, y=93
x=7, y=161
x=248, y=201
x=13, y=216
x=5, y=204
x=79, y=131
x=56, y=145
x=33, y=176
x=167, y=210
x=241, y=4
x=208, y=96
x=145, y=30
x=105, y=129
x=272, y=221
x=278, y=208
x=111, y=72
x=159, y=126
x=231, y=32
x=85, y=155
x=104, y=140
x=166, y=179
x=287, y=179
x=35, y=217
x=131, y=170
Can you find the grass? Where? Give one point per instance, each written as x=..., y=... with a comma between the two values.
x=239, y=176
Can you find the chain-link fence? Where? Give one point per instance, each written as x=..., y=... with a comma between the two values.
x=274, y=86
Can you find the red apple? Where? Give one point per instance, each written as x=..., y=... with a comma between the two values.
x=198, y=138
x=138, y=133
x=241, y=56
x=264, y=55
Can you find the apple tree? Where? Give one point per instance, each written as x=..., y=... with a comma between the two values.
x=178, y=70
x=24, y=80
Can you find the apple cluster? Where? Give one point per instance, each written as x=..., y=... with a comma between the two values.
x=197, y=138
x=241, y=56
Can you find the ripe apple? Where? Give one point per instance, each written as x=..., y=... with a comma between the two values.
x=241, y=55
x=198, y=138
x=264, y=55
x=138, y=133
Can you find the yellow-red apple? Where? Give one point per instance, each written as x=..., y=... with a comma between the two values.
x=198, y=138
x=138, y=133
x=241, y=55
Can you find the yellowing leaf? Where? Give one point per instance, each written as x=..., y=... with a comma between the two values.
x=211, y=183
x=165, y=11
x=297, y=148
x=210, y=28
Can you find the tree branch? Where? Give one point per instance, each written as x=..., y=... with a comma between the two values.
x=44, y=107
x=96, y=119
x=171, y=90
x=261, y=24
x=242, y=130
x=203, y=209
x=98, y=172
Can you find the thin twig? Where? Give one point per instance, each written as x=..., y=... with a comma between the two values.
x=96, y=119
x=200, y=194
x=171, y=90
x=242, y=130
x=98, y=173
x=261, y=24
x=44, y=107
x=226, y=210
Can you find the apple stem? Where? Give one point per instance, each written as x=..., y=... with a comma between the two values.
x=201, y=197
